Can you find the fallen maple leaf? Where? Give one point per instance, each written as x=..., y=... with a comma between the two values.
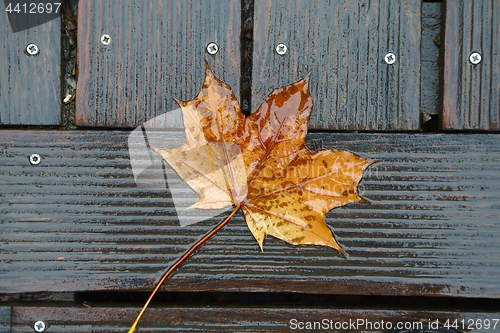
x=260, y=164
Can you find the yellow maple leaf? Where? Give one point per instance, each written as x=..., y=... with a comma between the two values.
x=260, y=164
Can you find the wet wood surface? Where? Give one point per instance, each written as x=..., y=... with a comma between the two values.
x=471, y=96
x=216, y=319
x=343, y=44
x=30, y=85
x=78, y=222
x=156, y=52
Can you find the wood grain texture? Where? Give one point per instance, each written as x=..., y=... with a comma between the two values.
x=199, y=319
x=30, y=85
x=5, y=318
x=77, y=221
x=343, y=44
x=157, y=52
x=471, y=96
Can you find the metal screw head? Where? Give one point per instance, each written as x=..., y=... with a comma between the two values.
x=32, y=49
x=212, y=48
x=475, y=58
x=39, y=326
x=35, y=159
x=281, y=49
x=390, y=58
x=106, y=39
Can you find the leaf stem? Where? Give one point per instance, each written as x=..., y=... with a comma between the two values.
x=179, y=261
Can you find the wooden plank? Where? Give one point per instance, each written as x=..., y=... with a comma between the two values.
x=471, y=96
x=30, y=85
x=343, y=44
x=234, y=319
x=77, y=221
x=5, y=318
x=157, y=52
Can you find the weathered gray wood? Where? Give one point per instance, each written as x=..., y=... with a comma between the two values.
x=157, y=52
x=77, y=221
x=30, y=85
x=5, y=318
x=343, y=44
x=234, y=319
x=471, y=96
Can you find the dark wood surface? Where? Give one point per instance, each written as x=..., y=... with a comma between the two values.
x=430, y=60
x=77, y=225
x=471, y=96
x=30, y=85
x=78, y=222
x=234, y=319
x=157, y=52
x=343, y=44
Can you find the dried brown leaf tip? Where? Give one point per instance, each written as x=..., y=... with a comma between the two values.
x=260, y=164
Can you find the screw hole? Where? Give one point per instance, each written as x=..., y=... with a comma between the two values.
x=390, y=58
x=475, y=58
x=281, y=49
x=32, y=49
x=106, y=39
x=39, y=326
x=35, y=159
x=212, y=48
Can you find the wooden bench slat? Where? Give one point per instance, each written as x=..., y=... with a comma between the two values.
x=30, y=91
x=343, y=44
x=78, y=222
x=157, y=52
x=471, y=92
x=234, y=319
